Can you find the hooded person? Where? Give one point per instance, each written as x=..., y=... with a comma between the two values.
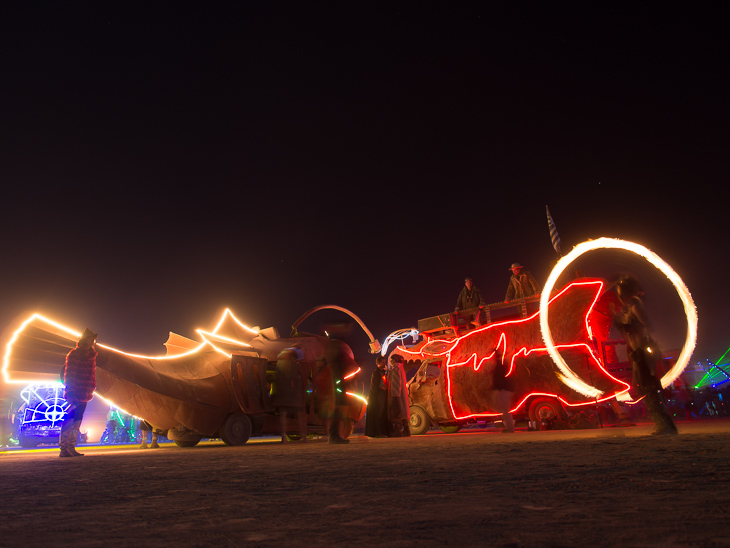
x=376, y=418
x=79, y=378
x=399, y=413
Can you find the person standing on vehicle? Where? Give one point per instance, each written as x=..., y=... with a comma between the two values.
x=521, y=284
x=287, y=392
x=79, y=378
x=375, y=420
x=399, y=414
x=470, y=297
x=644, y=353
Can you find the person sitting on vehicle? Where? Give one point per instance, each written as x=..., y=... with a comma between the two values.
x=470, y=297
x=521, y=284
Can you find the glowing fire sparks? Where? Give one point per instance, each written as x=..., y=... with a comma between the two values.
x=568, y=376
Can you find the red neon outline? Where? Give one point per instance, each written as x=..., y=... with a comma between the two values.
x=523, y=351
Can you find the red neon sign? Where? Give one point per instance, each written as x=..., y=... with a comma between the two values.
x=467, y=358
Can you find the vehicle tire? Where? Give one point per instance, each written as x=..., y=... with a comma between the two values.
x=420, y=422
x=187, y=443
x=450, y=428
x=26, y=442
x=545, y=409
x=236, y=429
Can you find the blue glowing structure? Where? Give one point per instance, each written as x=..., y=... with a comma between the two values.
x=41, y=415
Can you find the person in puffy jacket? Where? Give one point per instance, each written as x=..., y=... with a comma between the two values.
x=79, y=378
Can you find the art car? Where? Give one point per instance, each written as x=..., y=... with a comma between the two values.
x=455, y=361
x=213, y=388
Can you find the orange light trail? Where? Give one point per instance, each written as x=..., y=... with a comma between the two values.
x=568, y=376
x=76, y=334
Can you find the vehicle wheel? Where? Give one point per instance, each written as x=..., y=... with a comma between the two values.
x=545, y=409
x=236, y=429
x=187, y=443
x=26, y=442
x=420, y=422
x=450, y=428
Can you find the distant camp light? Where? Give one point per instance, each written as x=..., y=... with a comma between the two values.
x=568, y=376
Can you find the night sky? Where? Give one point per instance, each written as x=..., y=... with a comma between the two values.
x=163, y=161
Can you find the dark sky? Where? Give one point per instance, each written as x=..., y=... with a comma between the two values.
x=160, y=162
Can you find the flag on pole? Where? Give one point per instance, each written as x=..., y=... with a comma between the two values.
x=554, y=236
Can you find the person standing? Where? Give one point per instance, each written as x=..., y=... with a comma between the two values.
x=398, y=411
x=324, y=392
x=287, y=392
x=79, y=378
x=632, y=321
x=375, y=420
x=521, y=284
x=336, y=359
x=503, y=386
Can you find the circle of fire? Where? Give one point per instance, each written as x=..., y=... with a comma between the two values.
x=568, y=376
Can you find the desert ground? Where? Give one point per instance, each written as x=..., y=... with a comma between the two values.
x=479, y=487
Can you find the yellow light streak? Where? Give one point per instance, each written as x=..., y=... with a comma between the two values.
x=567, y=375
x=73, y=334
x=358, y=396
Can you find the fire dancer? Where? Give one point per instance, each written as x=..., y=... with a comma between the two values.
x=644, y=352
x=79, y=378
x=521, y=284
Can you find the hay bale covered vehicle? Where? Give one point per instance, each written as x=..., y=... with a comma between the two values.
x=455, y=361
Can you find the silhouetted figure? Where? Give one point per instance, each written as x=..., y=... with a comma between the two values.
x=324, y=393
x=399, y=413
x=503, y=386
x=521, y=284
x=287, y=392
x=600, y=321
x=644, y=353
x=79, y=378
x=336, y=360
x=376, y=418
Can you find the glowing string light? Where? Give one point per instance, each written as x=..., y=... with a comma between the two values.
x=567, y=375
x=399, y=335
